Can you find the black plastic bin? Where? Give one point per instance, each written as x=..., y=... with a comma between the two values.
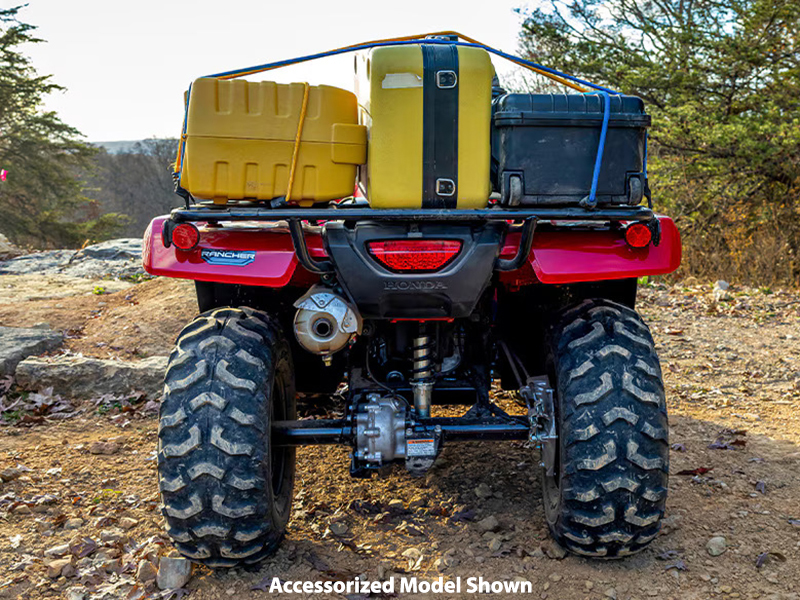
x=544, y=148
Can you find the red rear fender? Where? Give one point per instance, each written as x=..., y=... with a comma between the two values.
x=243, y=254
x=564, y=256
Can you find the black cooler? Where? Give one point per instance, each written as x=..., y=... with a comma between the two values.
x=544, y=148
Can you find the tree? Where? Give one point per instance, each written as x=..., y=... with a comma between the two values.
x=136, y=183
x=722, y=81
x=41, y=202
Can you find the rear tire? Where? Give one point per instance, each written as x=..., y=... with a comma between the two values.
x=226, y=491
x=609, y=491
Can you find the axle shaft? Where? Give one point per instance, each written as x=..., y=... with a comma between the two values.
x=454, y=429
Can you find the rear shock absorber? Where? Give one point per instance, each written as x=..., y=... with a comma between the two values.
x=422, y=372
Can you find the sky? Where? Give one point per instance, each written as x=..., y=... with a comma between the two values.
x=126, y=64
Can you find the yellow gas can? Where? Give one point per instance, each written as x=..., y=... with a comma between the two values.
x=240, y=137
x=428, y=111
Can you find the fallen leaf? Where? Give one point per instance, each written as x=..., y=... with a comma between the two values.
x=175, y=594
x=695, y=472
x=733, y=432
x=81, y=547
x=765, y=556
x=59, y=520
x=6, y=383
x=678, y=447
x=318, y=563
x=136, y=593
x=28, y=419
x=464, y=515
x=761, y=486
x=150, y=407
x=365, y=507
x=678, y=565
x=721, y=444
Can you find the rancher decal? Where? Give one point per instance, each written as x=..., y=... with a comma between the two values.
x=229, y=258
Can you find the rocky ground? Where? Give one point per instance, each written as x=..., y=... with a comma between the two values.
x=79, y=511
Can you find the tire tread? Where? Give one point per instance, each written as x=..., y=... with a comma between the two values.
x=614, y=431
x=213, y=460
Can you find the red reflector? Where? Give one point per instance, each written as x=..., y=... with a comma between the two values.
x=638, y=235
x=415, y=255
x=185, y=236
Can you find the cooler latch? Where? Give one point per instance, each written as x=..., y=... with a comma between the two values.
x=446, y=80
x=445, y=187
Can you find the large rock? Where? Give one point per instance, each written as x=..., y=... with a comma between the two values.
x=122, y=257
x=7, y=249
x=49, y=261
x=18, y=343
x=490, y=523
x=115, y=258
x=721, y=291
x=173, y=573
x=717, y=546
x=84, y=377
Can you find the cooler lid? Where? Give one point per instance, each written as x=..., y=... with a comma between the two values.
x=575, y=110
x=242, y=110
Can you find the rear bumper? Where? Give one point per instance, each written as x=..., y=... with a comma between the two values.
x=252, y=247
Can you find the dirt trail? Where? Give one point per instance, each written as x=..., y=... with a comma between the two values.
x=730, y=367
x=139, y=321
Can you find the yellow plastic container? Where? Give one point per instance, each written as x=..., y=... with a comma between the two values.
x=428, y=111
x=240, y=137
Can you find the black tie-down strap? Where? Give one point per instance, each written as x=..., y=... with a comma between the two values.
x=440, y=126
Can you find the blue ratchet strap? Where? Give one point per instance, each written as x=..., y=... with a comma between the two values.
x=647, y=193
x=644, y=165
x=511, y=57
x=591, y=200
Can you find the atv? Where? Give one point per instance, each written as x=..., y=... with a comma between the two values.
x=406, y=296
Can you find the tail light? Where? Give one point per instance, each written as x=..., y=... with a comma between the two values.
x=638, y=235
x=405, y=256
x=185, y=236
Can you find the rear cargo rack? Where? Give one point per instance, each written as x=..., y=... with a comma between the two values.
x=295, y=217
x=211, y=214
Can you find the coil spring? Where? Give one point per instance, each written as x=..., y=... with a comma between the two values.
x=423, y=353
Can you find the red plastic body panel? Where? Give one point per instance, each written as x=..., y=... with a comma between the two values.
x=560, y=257
x=557, y=257
x=275, y=264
